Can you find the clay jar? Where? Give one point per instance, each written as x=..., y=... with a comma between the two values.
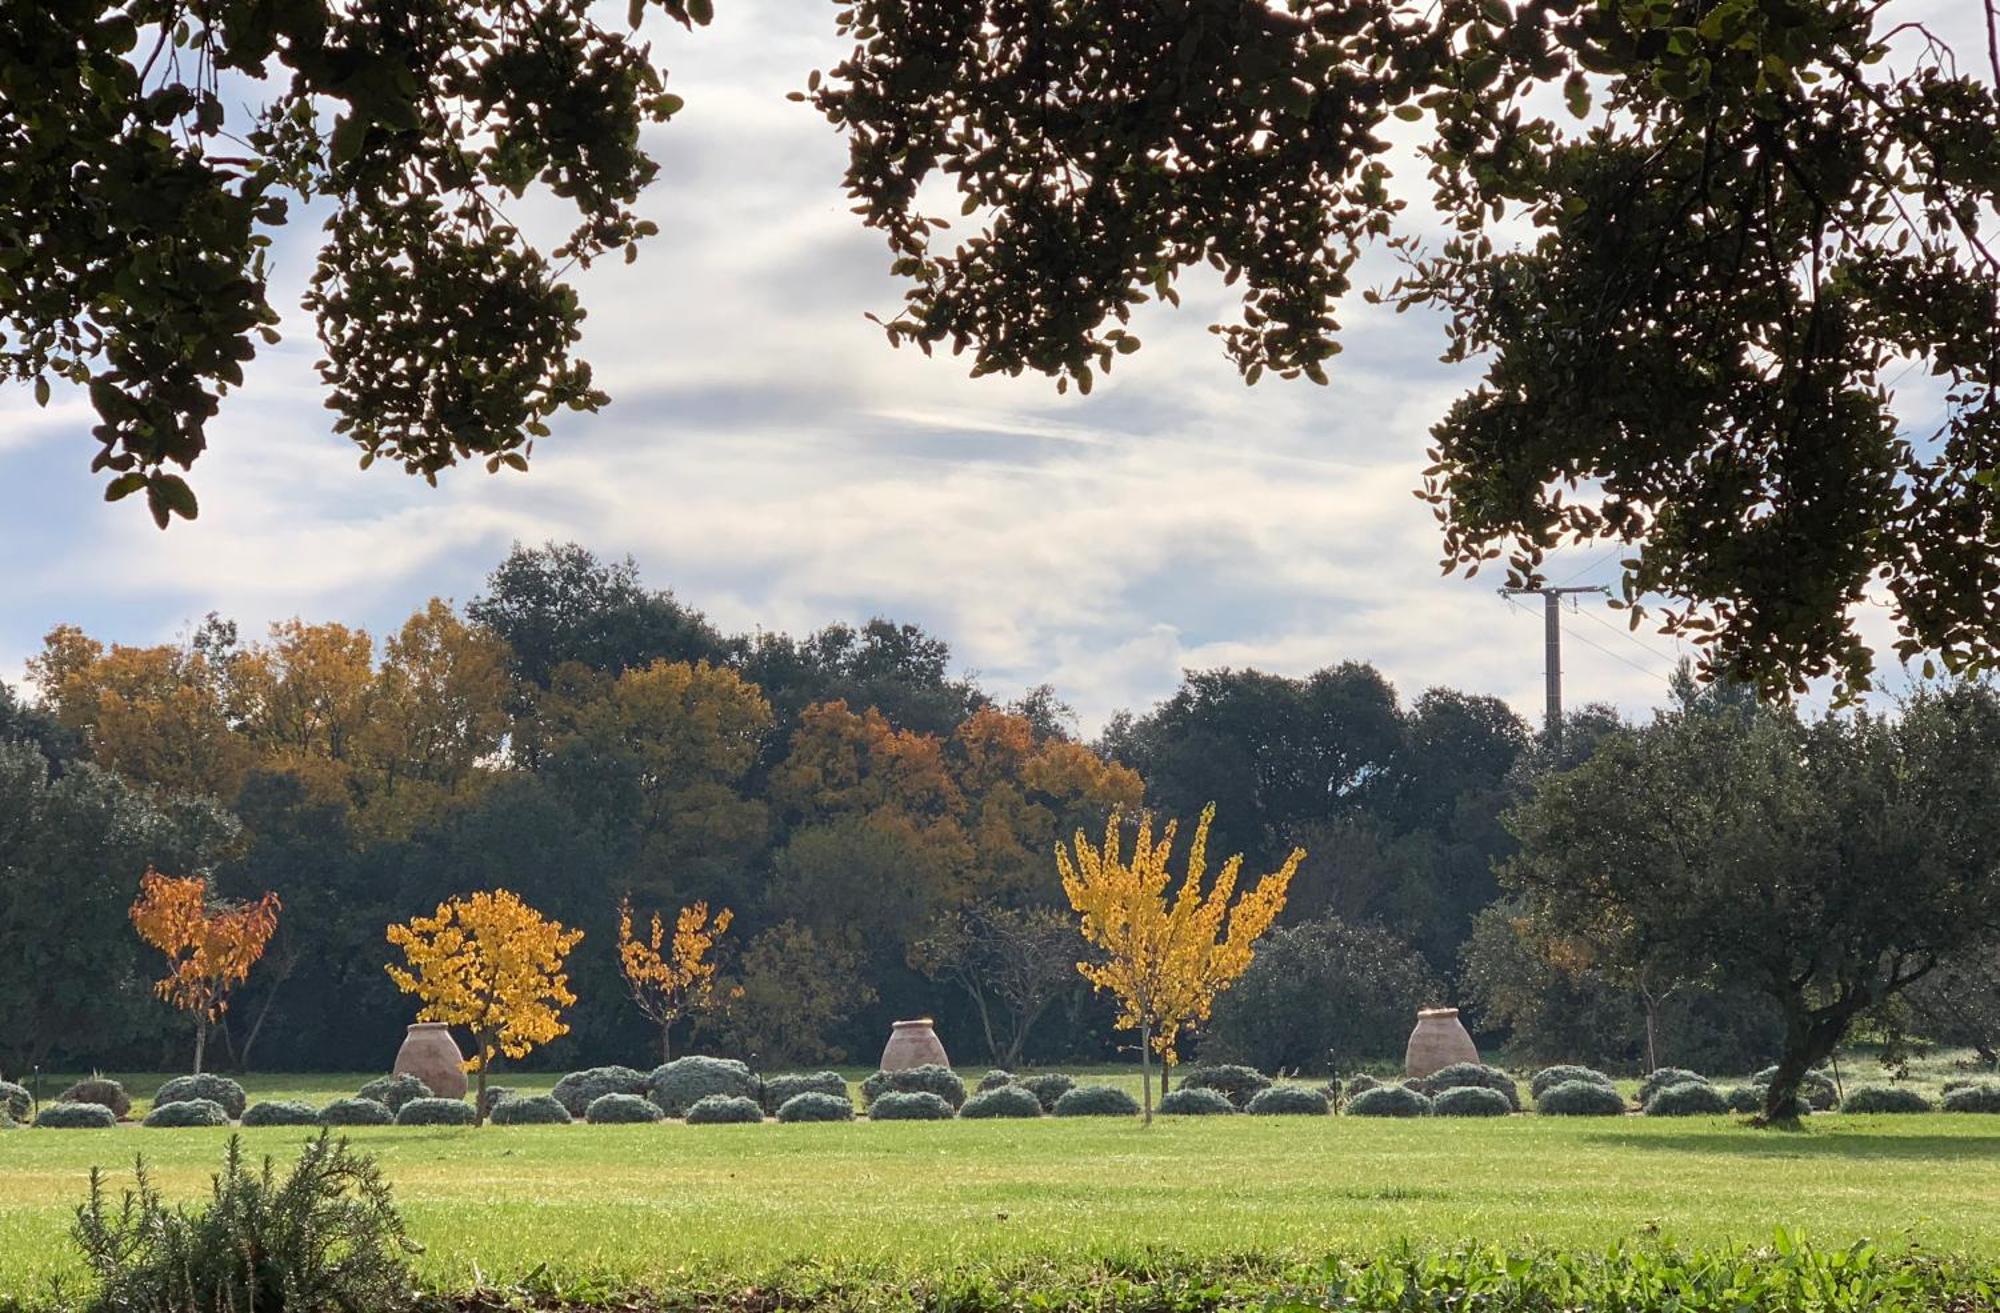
x=913, y=1044
x=1438, y=1041
x=431, y=1055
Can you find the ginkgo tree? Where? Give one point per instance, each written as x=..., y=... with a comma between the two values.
x=1165, y=954
x=210, y=945
x=490, y=963
x=673, y=979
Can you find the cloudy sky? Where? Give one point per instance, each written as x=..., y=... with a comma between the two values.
x=769, y=458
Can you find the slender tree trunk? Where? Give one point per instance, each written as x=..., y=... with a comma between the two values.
x=1652, y=1032
x=264, y=1012
x=200, y=1041
x=666, y=1041
x=1146, y=1068
x=479, y=1095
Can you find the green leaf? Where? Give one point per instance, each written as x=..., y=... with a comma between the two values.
x=124, y=486
x=41, y=391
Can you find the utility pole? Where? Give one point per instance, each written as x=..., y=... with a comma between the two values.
x=1552, y=660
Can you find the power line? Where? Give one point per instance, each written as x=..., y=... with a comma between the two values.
x=1630, y=637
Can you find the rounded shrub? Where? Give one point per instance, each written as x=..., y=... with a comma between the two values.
x=356, y=1111
x=15, y=1101
x=62, y=1116
x=102, y=1091
x=1470, y=1101
x=435, y=1112
x=1471, y=1076
x=994, y=1079
x=1961, y=1083
x=1048, y=1086
x=620, y=1109
x=216, y=1089
x=187, y=1112
x=529, y=1110
x=1665, y=1077
x=495, y=1095
x=1237, y=1083
x=1361, y=1084
x=1002, y=1101
x=281, y=1112
x=1288, y=1101
x=678, y=1085
x=721, y=1109
x=578, y=1090
x=1561, y=1074
x=909, y=1106
x=1815, y=1087
x=1190, y=1101
x=393, y=1091
x=927, y=1079
x=780, y=1090
x=1980, y=1096
x=1580, y=1098
x=1751, y=1099
x=1886, y=1098
x=1096, y=1101
x=816, y=1106
x=1389, y=1101
x=1690, y=1098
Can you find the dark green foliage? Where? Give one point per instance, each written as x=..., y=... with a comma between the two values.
x=1389, y=1101
x=1580, y=1098
x=392, y=1092
x=15, y=1100
x=1361, y=1083
x=994, y=1079
x=814, y=1106
x=187, y=1112
x=529, y=1110
x=1472, y=1075
x=1815, y=1087
x=1048, y=1086
x=1288, y=1101
x=909, y=1106
x=281, y=1112
x=1190, y=1102
x=780, y=1090
x=578, y=1090
x=1002, y=1101
x=1656, y=1081
x=76, y=1116
x=929, y=1078
x=617, y=1109
x=1096, y=1101
x=495, y=1095
x=717, y=1109
x=1321, y=995
x=1549, y=1077
x=99, y=1090
x=1687, y=1099
x=1983, y=1096
x=1238, y=1084
x=435, y=1112
x=323, y=1238
x=1471, y=1101
x=678, y=1085
x=1886, y=1098
x=216, y=1089
x=356, y=1111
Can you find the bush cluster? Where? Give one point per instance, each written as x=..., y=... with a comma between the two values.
x=63, y=1116
x=1886, y=1098
x=494, y=1095
x=356, y=1111
x=814, y=1106
x=1361, y=1084
x=622, y=1109
x=1665, y=1077
x=1288, y=1101
x=781, y=1090
x=393, y=1091
x=1002, y=1101
x=1815, y=1087
x=529, y=1110
x=281, y=1112
x=579, y=1089
x=994, y=1079
x=1690, y=1098
x=678, y=1085
x=435, y=1112
x=187, y=1112
x=928, y=1079
x=1048, y=1086
x=909, y=1106
x=216, y=1089
x=1549, y=1077
x=1389, y=1101
x=1979, y=1096
x=1236, y=1083
x=102, y=1091
x=1580, y=1098
x=1751, y=1099
x=1471, y=1101
x=721, y=1109
x=1096, y=1101
x=1471, y=1075
x=1193, y=1101
x=15, y=1101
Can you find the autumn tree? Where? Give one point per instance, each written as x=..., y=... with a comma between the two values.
x=1165, y=956
x=672, y=979
x=492, y=964
x=1011, y=962
x=210, y=946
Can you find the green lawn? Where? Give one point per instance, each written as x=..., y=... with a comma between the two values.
x=648, y=1203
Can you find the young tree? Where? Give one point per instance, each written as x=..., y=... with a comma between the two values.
x=1011, y=961
x=492, y=964
x=1165, y=959
x=672, y=980
x=210, y=946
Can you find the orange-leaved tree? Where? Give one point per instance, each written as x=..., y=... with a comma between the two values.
x=494, y=965
x=673, y=979
x=1165, y=954
x=210, y=946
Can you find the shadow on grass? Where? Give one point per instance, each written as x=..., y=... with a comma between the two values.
x=1775, y=1143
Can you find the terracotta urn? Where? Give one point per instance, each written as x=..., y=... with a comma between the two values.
x=431, y=1055
x=913, y=1044
x=1438, y=1041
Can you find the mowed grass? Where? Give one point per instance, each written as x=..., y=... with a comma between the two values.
x=653, y=1204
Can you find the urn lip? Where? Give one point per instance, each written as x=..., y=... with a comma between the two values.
x=919, y=1021
x=430, y=1025
x=1423, y=1013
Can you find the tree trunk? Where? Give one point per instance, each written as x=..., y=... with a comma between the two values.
x=200, y=1042
x=1146, y=1069
x=264, y=1012
x=1810, y=1038
x=666, y=1041
x=479, y=1091
x=1652, y=1033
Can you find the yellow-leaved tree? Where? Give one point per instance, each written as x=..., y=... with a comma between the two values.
x=673, y=979
x=494, y=965
x=210, y=946
x=1166, y=953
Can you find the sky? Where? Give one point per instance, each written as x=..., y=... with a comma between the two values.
x=774, y=462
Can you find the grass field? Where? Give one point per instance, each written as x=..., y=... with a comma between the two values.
x=651, y=1204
